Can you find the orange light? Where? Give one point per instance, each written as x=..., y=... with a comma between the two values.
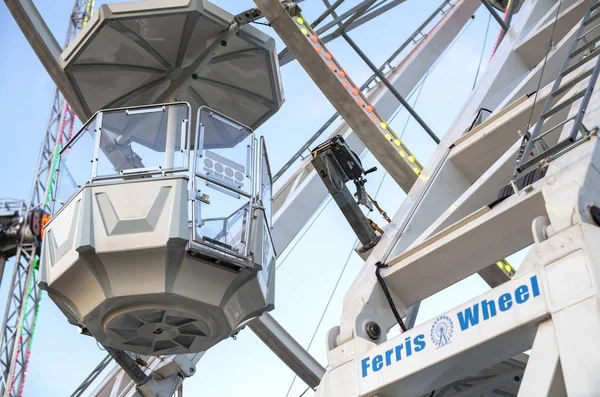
x=342, y=74
x=345, y=84
x=355, y=91
x=369, y=108
x=318, y=49
x=332, y=67
x=359, y=102
x=327, y=56
x=374, y=119
x=45, y=220
x=314, y=38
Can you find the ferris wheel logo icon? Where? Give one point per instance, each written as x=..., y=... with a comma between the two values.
x=441, y=331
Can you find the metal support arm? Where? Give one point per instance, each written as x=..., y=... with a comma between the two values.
x=46, y=48
x=497, y=17
x=288, y=350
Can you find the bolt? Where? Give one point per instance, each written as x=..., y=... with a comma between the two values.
x=224, y=43
x=595, y=213
x=517, y=379
x=194, y=76
x=158, y=331
x=373, y=330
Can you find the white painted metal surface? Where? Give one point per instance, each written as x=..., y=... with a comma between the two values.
x=301, y=194
x=445, y=231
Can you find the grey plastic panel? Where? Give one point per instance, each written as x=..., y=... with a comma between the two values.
x=136, y=53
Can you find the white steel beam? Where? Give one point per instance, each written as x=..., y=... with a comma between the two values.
x=464, y=248
x=170, y=369
x=543, y=376
x=442, y=183
x=288, y=350
x=482, y=145
x=534, y=46
x=118, y=383
x=341, y=92
x=46, y=48
x=300, y=196
x=478, y=334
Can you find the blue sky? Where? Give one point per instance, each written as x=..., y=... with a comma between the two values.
x=61, y=358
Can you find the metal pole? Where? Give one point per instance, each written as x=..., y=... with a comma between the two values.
x=287, y=349
x=341, y=29
x=316, y=135
x=92, y=376
x=129, y=365
x=491, y=9
x=509, y=15
x=390, y=87
x=171, y=137
x=418, y=30
x=327, y=12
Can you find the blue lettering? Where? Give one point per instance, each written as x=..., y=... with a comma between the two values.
x=364, y=363
x=469, y=317
x=521, y=294
x=488, y=308
x=535, y=288
x=399, y=352
x=408, y=347
x=377, y=362
x=419, y=343
x=505, y=302
x=388, y=357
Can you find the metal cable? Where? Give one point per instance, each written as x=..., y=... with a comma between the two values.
x=544, y=66
x=337, y=283
x=487, y=29
x=526, y=134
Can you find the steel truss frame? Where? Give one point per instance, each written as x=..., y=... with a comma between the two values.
x=451, y=217
x=356, y=16
x=290, y=354
x=22, y=307
x=266, y=327
x=551, y=306
x=365, y=285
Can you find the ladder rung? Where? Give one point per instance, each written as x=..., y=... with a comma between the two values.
x=581, y=62
x=574, y=144
x=588, y=32
x=584, y=47
x=592, y=18
x=563, y=105
x=545, y=154
x=595, y=6
x=541, y=136
x=573, y=82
